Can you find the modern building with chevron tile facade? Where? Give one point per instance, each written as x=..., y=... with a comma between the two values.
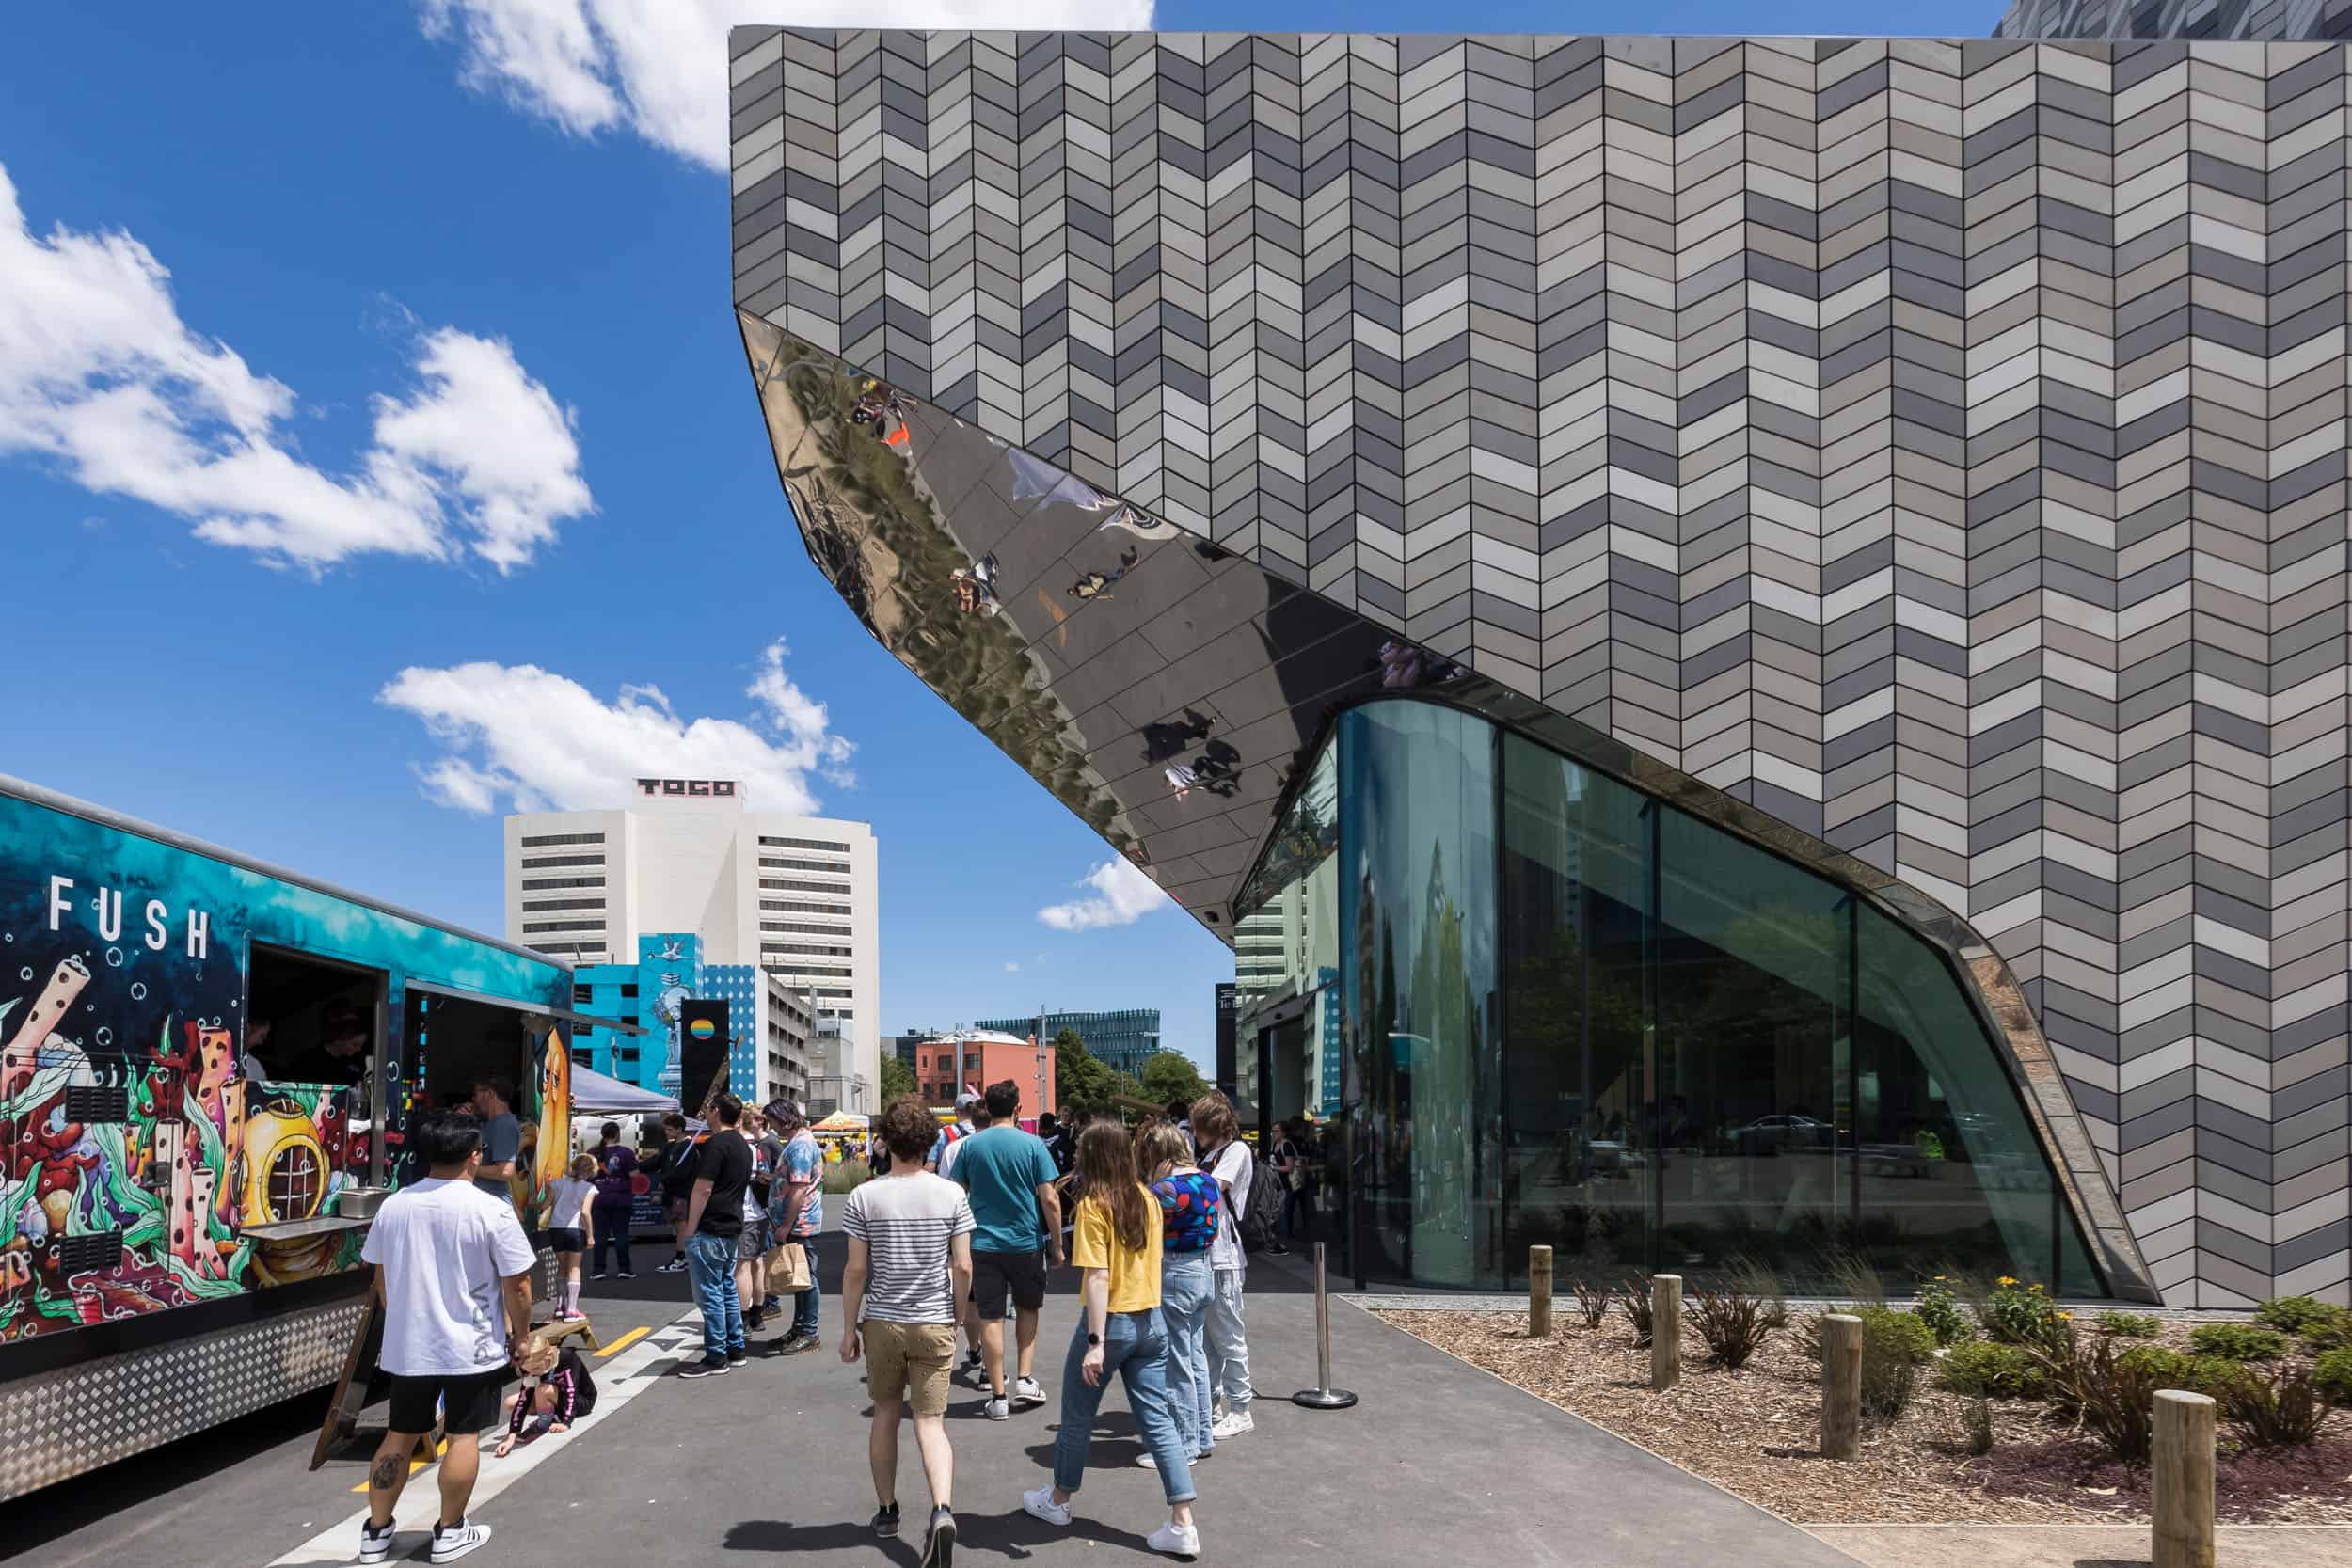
x=1777, y=605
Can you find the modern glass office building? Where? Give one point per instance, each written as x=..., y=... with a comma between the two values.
x=1121, y=1037
x=1745, y=636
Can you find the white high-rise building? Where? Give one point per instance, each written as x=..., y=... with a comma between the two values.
x=796, y=895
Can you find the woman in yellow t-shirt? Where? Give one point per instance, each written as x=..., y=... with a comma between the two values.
x=1116, y=1245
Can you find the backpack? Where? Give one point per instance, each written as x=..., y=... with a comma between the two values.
x=1259, y=1208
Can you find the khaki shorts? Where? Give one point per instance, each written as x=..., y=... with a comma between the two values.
x=911, y=1360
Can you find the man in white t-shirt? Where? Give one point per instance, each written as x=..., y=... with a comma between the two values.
x=452, y=1269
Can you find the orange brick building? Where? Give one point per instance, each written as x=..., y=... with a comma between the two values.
x=986, y=1057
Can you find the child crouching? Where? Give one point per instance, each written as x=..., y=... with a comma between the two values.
x=556, y=1391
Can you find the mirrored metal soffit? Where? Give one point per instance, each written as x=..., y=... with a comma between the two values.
x=1168, y=690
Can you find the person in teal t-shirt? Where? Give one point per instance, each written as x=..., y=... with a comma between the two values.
x=1017, y=1215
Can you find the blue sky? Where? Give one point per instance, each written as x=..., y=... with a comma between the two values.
x=443, y=378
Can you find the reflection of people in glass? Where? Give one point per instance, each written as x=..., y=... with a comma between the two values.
x=975, y=590
x=1093, y=584
x=885, y=410
x=1402, y=665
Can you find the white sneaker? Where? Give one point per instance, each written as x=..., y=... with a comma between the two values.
x=1025, y=1391
x=375, y=1544
x=1234, y=1425
x=1039, y=1504
x=1175, y=1540
x=997, y=1409
x=449, y=1543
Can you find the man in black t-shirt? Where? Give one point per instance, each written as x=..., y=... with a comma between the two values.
x=714, y=1221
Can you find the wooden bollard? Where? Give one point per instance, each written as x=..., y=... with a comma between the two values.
x=2180, y=1474
x=1665, y=1330
x=1842, y=1386
x=1538, y=1293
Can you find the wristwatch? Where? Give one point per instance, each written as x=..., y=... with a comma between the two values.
x=1093, y=1340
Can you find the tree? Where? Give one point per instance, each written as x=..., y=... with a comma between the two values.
x=1170, y=1075
x=897, y=1078
x=1082, y=1081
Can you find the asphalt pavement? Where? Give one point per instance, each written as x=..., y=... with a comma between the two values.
x=1437, y=1459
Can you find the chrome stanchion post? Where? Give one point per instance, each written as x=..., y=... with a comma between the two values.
x=1323, y=1396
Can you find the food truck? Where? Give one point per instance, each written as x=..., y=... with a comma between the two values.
x=206, y=1068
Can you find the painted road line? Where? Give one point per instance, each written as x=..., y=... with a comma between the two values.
x=624, y=1342
x=618, y=1381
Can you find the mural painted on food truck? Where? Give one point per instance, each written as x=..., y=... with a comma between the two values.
x=137, y=1153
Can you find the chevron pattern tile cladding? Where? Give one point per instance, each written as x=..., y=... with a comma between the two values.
x=1939, y=445
x=2268, y=20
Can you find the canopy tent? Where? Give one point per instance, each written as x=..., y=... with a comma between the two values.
x=841, y=1121
x=595, y=1094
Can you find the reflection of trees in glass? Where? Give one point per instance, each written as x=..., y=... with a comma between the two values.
x=1306, y=837
x=875, y=531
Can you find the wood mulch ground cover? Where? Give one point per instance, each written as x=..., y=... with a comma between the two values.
x=1755, y=1432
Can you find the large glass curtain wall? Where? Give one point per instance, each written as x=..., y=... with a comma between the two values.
x=1575, y=1015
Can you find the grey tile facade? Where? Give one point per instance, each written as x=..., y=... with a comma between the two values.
x=1939, y=446
x=2266, y=20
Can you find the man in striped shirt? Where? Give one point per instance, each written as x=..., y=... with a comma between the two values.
x=909, y=1266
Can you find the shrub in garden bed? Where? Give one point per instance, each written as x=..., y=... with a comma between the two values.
x=2020, y=1314
x=1593, y=1301
x=1983, y=1369
x=2238, y=1342
x=2129, y=1325
x=1635, y=1305
x=2333, y=1375
x=1733, y=1323
x=2276, y=1409
x=2111, y=1392
x=1895, y=1345
x=2330, y=1330
x=2197, y=1374
x=1935, y=1307
x=2292, y=1314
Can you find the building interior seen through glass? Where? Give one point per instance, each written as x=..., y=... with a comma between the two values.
x=1537, y=1005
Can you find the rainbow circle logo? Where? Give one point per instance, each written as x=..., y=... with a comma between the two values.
x=702, y=1028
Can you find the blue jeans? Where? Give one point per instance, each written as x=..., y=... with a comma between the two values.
x=805, y=1305
x=1136, y=1347
x=1186, y=1287
x=612, y=1223
x=710, y=1267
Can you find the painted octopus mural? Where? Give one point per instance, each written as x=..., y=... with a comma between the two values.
x=129, y=1177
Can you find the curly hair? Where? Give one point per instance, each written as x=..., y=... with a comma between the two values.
x=908, y=1128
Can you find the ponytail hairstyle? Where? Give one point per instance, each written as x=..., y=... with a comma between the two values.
x=1107, y=1177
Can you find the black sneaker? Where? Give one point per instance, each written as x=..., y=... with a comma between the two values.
x=598, y=1274
x=706, y=1367
x=886, y=1519
x=939, y=1546
x=797, y=1344
x=628, y=1273
x=737, y=1358
x=753, y=1318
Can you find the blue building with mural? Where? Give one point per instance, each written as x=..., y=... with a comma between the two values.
x=669, y=971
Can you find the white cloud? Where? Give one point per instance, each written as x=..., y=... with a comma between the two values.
x=540, y=741
x=1123, y=895
x=100, y=376
x=1011, y=968
x=658, y=67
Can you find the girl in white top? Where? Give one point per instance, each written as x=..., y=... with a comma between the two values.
x=569, y=1198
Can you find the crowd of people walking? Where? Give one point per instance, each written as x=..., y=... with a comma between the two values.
x=956, y=1233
